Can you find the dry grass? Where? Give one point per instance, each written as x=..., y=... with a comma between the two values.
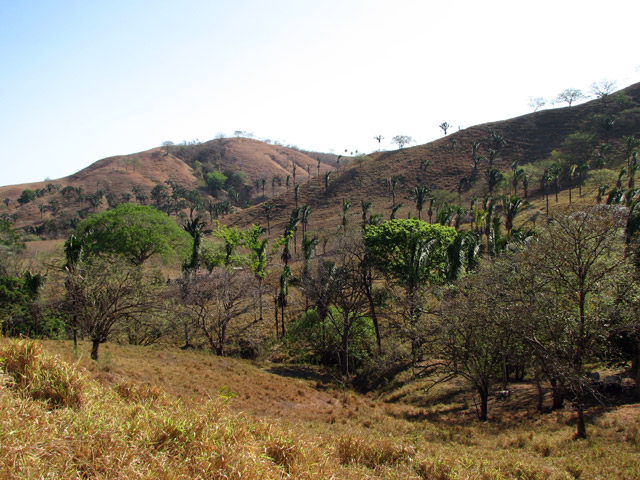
x=132, y=428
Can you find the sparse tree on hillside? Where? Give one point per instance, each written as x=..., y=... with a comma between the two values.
x=494, y=177
x=379, y=138
x=267, y=208
x=366, y=206
x=305, y=211
x=318, y=167
x=570, y=96
x=445, y=126
x=168, y=144
x=453, y=144
x=537, y=103
x=346, y=205
x=602, y=89
x=402, y=140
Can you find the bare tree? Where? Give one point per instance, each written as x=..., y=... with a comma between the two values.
x=570, y=96
x=402, y=140
x=168, y=144
x=537, y=103
x=105, y=293
x=216, y=300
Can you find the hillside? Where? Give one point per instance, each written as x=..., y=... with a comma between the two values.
x=121, y=418
x=263, y=169
x=133, y=177
x=530, y=140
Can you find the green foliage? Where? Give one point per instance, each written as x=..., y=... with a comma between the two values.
x=215, y=181
x=234, y=181
x=310, y=338
x=394, y=249
x=136, y=232
x=26, y=196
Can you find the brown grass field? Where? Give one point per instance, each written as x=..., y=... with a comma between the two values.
x=159, y=412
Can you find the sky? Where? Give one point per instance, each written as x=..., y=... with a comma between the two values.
x=84, y=80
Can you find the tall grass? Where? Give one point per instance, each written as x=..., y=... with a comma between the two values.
x=40, y=375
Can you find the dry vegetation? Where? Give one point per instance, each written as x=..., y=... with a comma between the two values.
x=133, y=415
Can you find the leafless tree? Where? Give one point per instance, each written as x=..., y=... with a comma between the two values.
x=215, y=301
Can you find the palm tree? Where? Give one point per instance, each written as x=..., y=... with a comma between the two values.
x=392, y=184
x=296, y=192
x=602, y=189
x=433, y=202
x=420, y=193
x=326, y=181
x=454, y=142
x=572, y=171
x=582, y=175
x=196, y=228
x=305, y=211
x=633, y=168
x=282, y=302
x=498, y=141
x=463, y=251
x=309, y=245
x=295, y=167
x=493, y=177
x=366, y=206
x=554, y=176
x=294, y=220
x=318, y=167
x=263, y=182
x=445, y=126
x=525, y=184
x=346, y=205
x=267, y=208
x=511, y=207
x=378, y=138
x=475, y=159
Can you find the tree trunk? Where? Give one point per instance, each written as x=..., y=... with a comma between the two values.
x=483, y=391
x=558, y=394
x=536, y=378
x=581, y=429
x=94, y=349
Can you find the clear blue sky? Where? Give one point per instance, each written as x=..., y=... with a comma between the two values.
x=84, y=80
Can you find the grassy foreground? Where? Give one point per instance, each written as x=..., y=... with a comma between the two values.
x=59, y=419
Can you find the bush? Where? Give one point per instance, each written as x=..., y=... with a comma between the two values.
x=26, y=196
x=215, y=181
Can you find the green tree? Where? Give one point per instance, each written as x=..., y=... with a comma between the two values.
x=136, y=232
x=26, y=196
x=215, y=181
x=411, y=253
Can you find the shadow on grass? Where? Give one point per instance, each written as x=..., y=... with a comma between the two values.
x=323, y=377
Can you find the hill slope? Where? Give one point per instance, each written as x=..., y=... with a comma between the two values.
x=530, y=139
x=133, y=177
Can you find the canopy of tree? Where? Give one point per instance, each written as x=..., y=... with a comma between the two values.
x=136, y=232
